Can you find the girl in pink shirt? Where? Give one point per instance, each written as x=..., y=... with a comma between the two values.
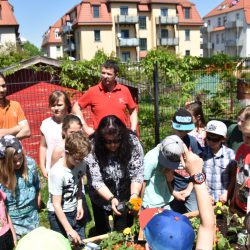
x=7, y=232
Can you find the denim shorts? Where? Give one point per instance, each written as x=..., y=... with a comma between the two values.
x=56, y=225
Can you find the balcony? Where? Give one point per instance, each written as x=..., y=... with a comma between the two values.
x=207, y=45
x=128, y=42
x=234, y=42
x=234, y=24
x=167, y=20
x=67, y=28
x=69, y=47
x=127, y=19
x=168, y=42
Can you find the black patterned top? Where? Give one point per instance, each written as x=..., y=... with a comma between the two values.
x=114, y=176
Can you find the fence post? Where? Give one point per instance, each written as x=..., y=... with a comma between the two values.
x=156, y=103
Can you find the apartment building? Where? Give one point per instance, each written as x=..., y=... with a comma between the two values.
x=8, y=25
x=52, y=41
x=227, y=29
x=130, y=28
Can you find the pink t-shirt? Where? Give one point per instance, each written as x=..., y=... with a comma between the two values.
x=4, y=224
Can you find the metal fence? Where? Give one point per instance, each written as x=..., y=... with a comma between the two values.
x=216, y=89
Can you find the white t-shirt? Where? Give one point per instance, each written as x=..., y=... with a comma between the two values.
x=65, y=182
x=52, y=132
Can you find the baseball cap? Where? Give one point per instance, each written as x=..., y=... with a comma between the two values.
x=182, y=120
x=9, y=141
x=43, y=238
x=217, y=127
x=171, y=149
x=168, y=230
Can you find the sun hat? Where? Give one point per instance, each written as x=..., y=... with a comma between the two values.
x=167, y=230
x=183, y=120
x=171, y=149
x=9, y=141
x=42, y=238
x=217, y=127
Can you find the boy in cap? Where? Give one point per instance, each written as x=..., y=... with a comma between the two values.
x=184, y=196
x=218, y=161
x=169, y=230
x=159, y=164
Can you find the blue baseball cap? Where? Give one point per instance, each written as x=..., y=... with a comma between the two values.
x=169, y=230
x=183, y=120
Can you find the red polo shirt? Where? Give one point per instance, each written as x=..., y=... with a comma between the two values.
x=104, y=103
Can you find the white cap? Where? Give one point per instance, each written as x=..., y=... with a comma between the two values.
x=217, y=127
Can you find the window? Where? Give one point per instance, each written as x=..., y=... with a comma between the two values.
x=143, y=44
x=208, y=22
x=217, y=39
x=164, y=33
x=187, y=13
x=97, y=34
x=187, y=53
x=124, y=10
x=187, y=35
x=124, y=33
x=57, y=35
x=125, y=56
x=142, y=22
x=164, y=11
x=58, y=48
x=219, y=21
x=222, y=38
x=237, y=16
x=224, y=20
x=96, y=11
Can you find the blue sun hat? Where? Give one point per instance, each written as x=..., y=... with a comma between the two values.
x=169, y=230
x=183, y=120
x=9, y=141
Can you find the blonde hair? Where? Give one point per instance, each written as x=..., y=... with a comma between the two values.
x=7, y=169
x=77, y=145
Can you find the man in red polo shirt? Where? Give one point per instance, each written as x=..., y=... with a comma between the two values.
x=107, y=98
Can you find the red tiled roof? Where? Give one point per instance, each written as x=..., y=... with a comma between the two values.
x=219, y=28
x=229, y=6
x=195, y=18
x=7, y=13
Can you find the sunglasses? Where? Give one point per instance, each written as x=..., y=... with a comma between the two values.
x=213, y=139
x=115, y=141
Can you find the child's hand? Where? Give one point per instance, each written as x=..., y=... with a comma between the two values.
x=223, y=197
x=80, y=211
x=74, y=237
x=45, y=173
x=178, y=195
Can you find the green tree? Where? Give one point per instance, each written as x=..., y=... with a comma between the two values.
x=30, y=49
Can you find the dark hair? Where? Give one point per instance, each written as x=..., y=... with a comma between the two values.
x=111, y=125
x=53, y=98
x=111, y=64
x=195, y=108
x=67, y=120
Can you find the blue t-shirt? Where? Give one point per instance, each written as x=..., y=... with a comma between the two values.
x=21, y=205
x=181, y=177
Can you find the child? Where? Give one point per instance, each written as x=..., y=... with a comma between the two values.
x=218, y=161
x=51, y=128
x=7, y=232
x=65, y=188
x=20, y=182
x=185, y=200
x=195, y=108
x=242, y=186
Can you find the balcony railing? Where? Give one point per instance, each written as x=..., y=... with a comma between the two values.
x=67, y=28
x=168, y=41
x=207, y=45
x=234, y=24
x=234, y=42
x=69, y=47
x=128, y=42
x=167, y=20
x=127, y=19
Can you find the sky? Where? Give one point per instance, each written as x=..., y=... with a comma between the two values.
x=36, y=16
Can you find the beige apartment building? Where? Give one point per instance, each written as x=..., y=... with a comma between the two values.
x=8, y=25
x=129, y=28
